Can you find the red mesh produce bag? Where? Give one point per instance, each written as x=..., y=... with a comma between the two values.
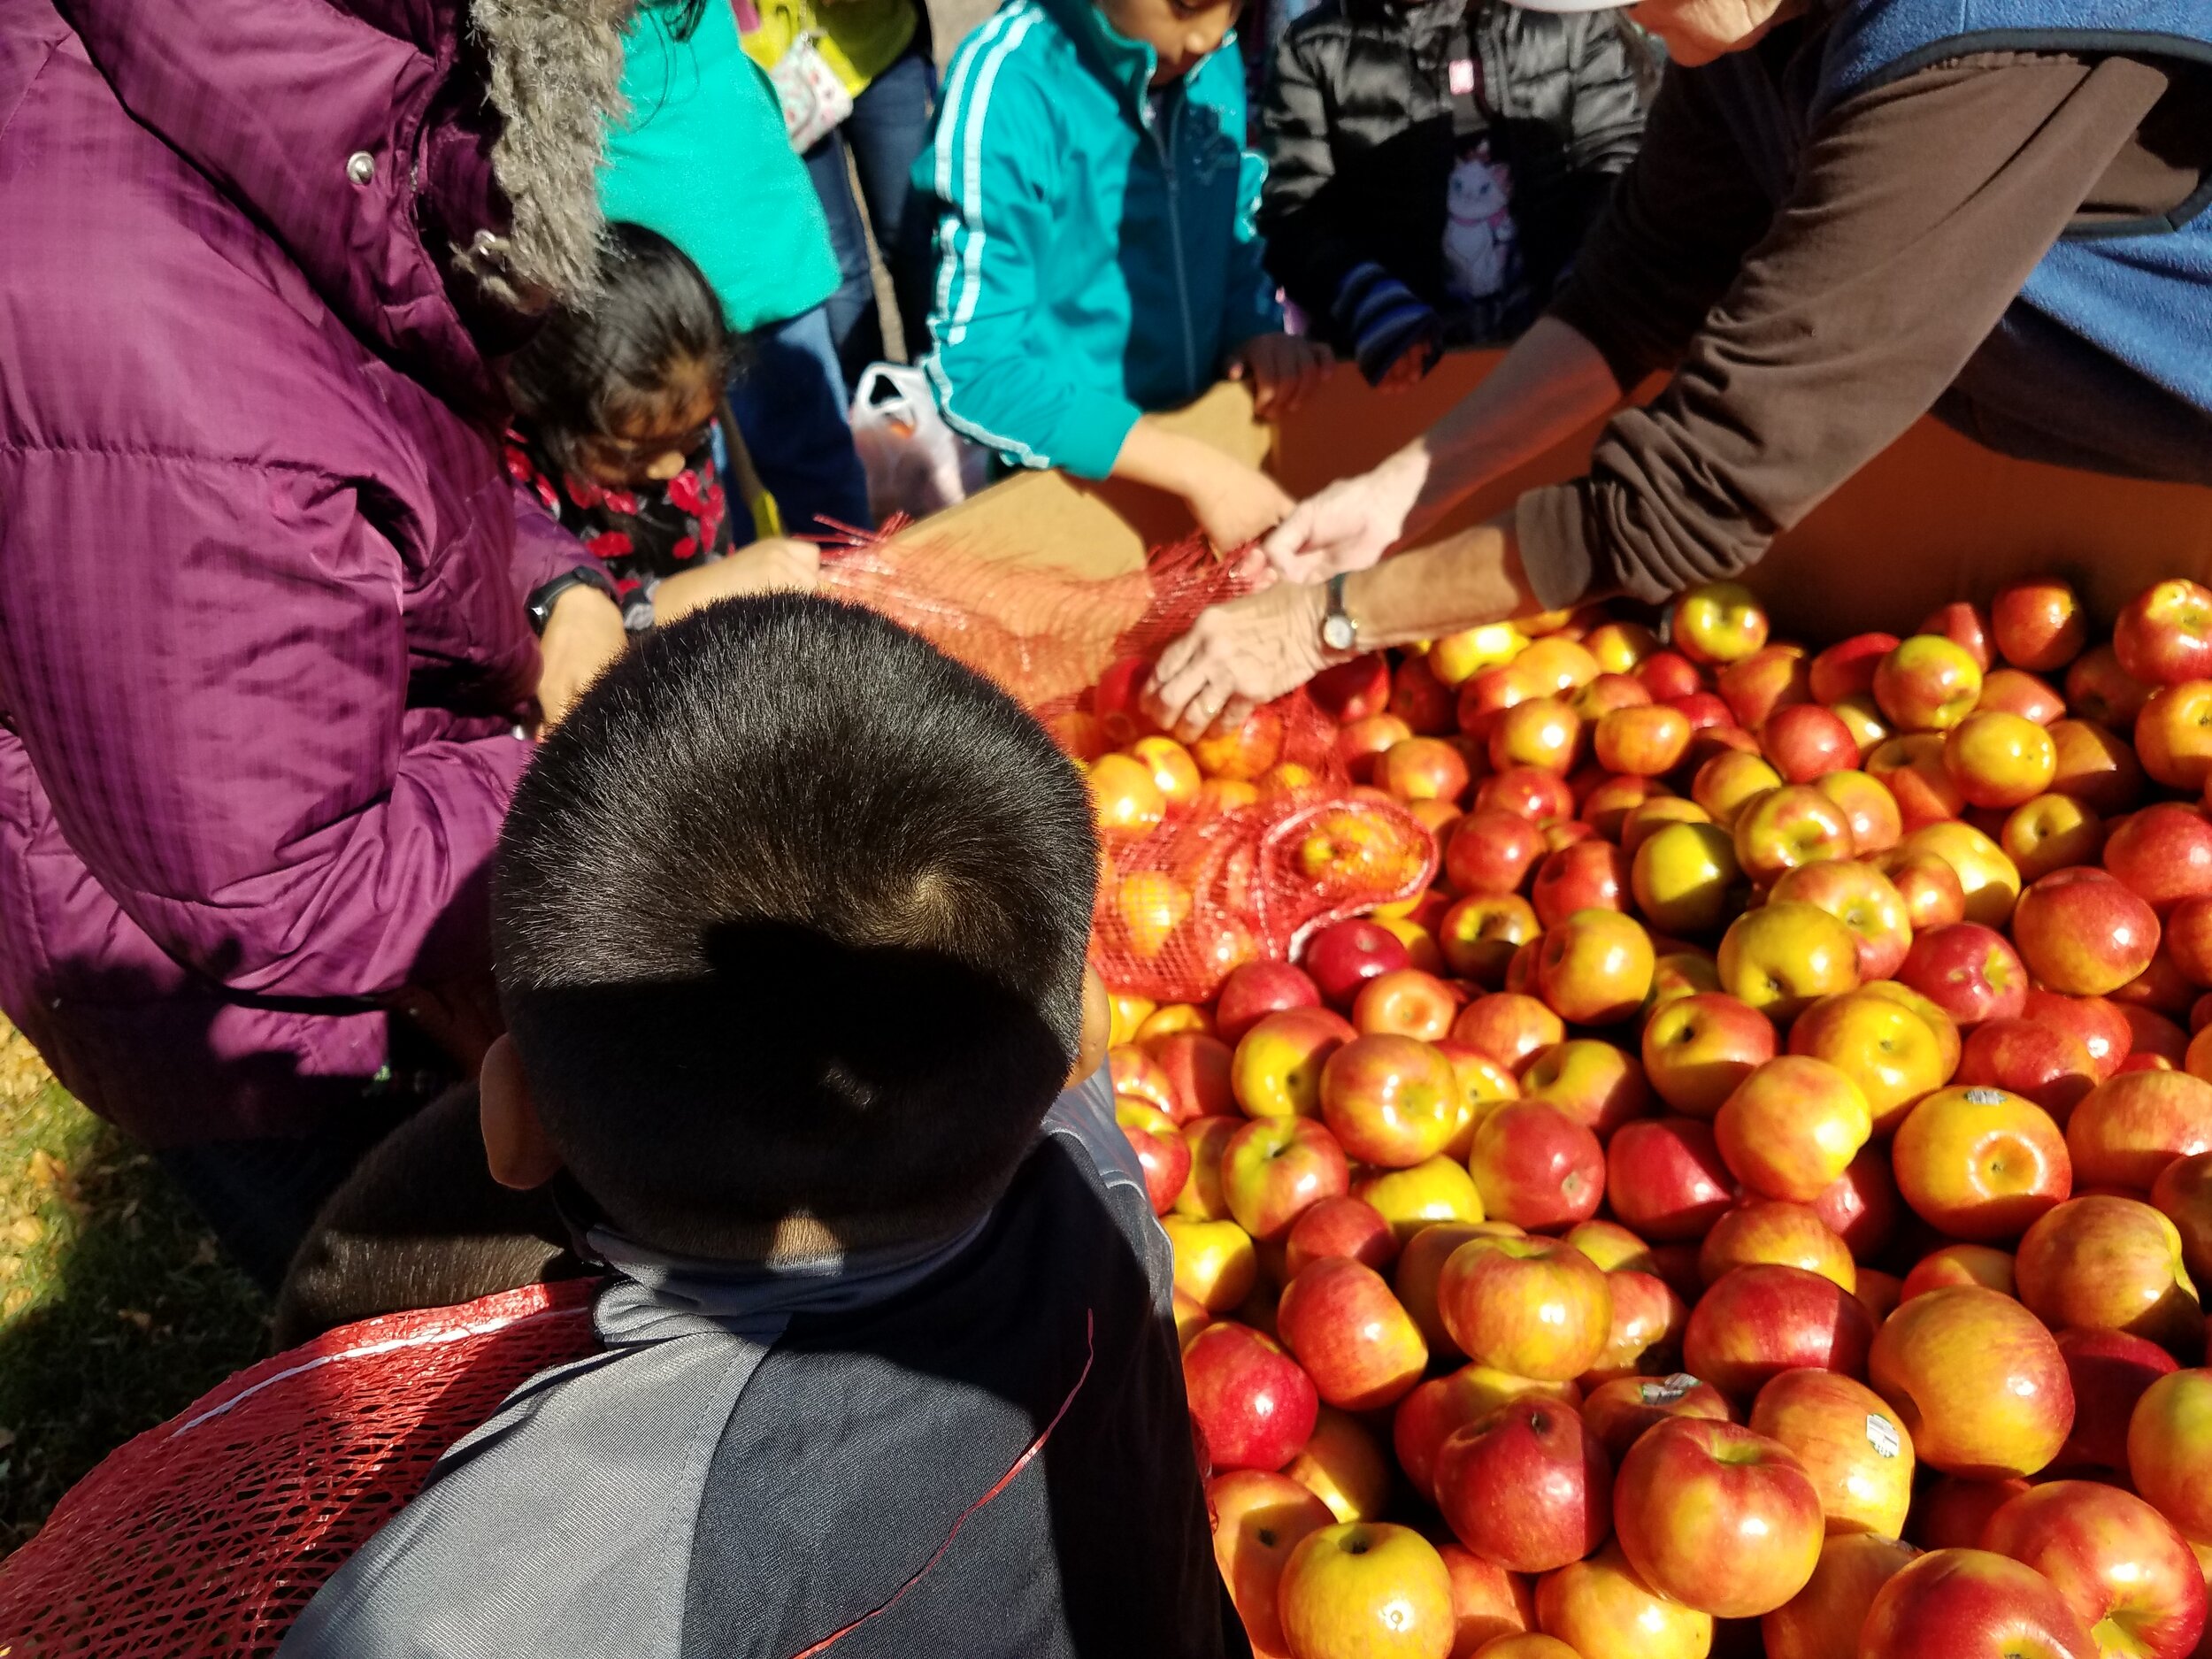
x=207, y=1536
x=1216, y=884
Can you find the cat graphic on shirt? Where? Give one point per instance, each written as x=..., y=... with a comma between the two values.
x=1481, y=251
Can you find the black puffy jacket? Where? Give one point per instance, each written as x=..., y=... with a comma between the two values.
x=1358, y=136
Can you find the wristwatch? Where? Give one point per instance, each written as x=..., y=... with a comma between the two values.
x=1339, y=632
x=540, y=604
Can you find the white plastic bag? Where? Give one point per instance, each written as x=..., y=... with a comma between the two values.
x=915, y=464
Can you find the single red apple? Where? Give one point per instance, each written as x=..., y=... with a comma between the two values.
x=2039, y=624
x=1352, y=1336
x=1719, y=1518
x=1352, y=691
x=2039, y=1061
x=2116, y=1562
x=1344, y=956
x=1491, y=850
x=2099, y=1026
x=1758, y=1322
x=1972, y=1604
x=1846, y=669
x=1528, y=1487
x=1344, y=1227
x=1250, y=1400
x=2109, y=1371
x=1536, y=1167
x=1256, y=989
x=2164, y=853
x=1666, y=1177
x=1969, y=971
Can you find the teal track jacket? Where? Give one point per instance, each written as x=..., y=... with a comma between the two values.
x=1096, y=252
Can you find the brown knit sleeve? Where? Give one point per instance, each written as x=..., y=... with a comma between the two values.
x=1671, y=240
x=1920, y=209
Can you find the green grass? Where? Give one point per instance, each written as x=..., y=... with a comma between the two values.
x=116, y=1309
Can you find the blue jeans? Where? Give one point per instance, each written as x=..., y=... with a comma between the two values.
x=791, y=407
x=884, y=133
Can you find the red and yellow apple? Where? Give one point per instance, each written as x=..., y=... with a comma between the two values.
x=1718, y=1517
x=1366, y=1590
x=1978, y=1383
x=1276, y=1070
x=1535, y=1166
x=1357, y=1343
x=2169, y=1450
x=1782, y=957
x=1823, y=1620
x=1859, y=1457
x=1980, y=1163
x=1533, y=1306
x=2105, y=1262
x=1972, y=1604
x=1697, y=1048
x=1275, y=1169
x=1258, y=1518
x=1773, y=1230
x=1792, y=1127
x=2117, y=1563
x=2128, y=1129
x=1686, y=879
x=1602, y=1609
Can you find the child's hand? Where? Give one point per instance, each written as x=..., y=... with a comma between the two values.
x=581, y=637
x=779, y=564
x=1406, y=371
x=1234, y=503
x=1283, y=369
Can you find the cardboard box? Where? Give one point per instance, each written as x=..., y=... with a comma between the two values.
x=1932, y=519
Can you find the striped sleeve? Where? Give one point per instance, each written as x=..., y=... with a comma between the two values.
x=992, y=165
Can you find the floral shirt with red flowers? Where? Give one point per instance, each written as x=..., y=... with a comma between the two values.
x=640, y=535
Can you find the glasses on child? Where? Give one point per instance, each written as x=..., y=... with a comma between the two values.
x=638, y=451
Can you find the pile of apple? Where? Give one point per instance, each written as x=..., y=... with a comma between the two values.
x=1753, y=1201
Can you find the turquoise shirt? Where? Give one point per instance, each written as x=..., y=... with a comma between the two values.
x=1097, y=257
x=704, y=161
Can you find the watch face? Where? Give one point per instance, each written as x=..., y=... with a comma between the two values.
x=1336, y=633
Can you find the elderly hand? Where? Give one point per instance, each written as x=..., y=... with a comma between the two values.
x=1236, y=657
x=1348, y=526
x=582, y=636
x=1283, y=370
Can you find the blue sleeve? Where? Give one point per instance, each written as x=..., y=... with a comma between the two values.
x=993, y=164
x=1085, y=1114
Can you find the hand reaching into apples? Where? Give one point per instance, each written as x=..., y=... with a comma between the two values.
x=1236, y=657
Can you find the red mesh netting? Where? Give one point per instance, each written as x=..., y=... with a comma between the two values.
x=1221, y=877
x=207, y=1536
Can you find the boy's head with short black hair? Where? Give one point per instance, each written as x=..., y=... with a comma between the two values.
x=789, y=918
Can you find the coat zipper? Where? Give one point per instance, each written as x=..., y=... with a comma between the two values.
x=1166, y=147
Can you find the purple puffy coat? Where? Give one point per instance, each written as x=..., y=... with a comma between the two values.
x=262, y=638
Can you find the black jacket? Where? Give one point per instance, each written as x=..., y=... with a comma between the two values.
x=985, y=1452
x=1358, y=136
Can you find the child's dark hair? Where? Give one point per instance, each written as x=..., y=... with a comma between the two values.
x=789, y=917
x=587, y=371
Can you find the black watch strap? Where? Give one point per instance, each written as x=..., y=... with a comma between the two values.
x=540, y=604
